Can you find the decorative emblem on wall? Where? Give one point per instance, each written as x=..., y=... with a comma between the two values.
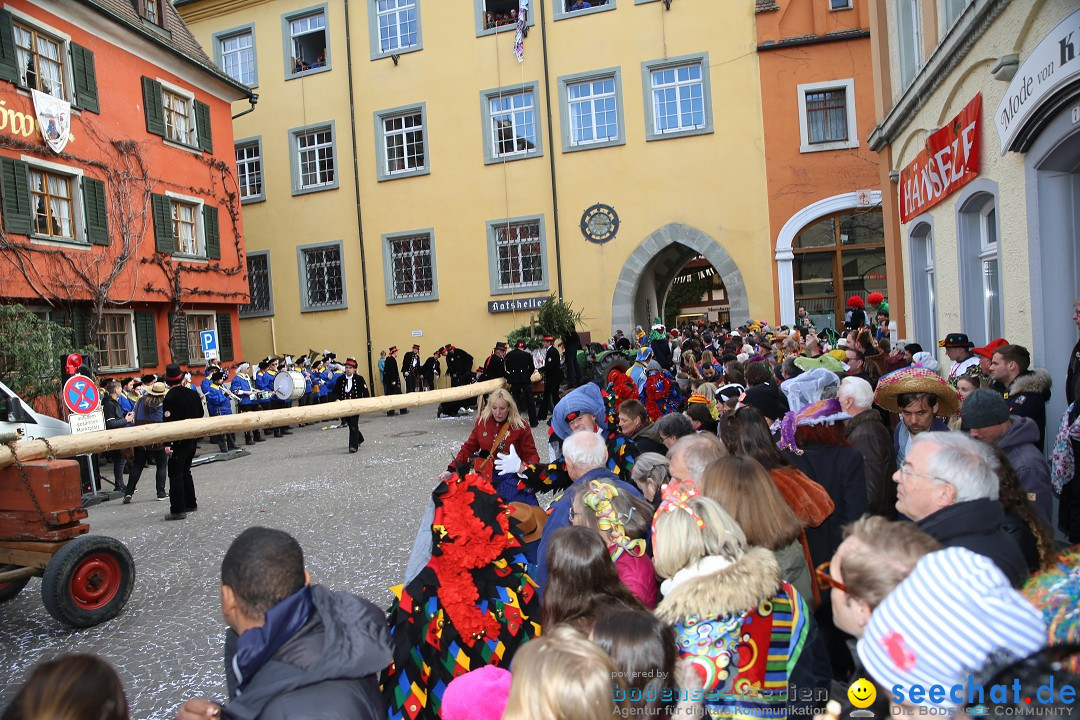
x=599, y=223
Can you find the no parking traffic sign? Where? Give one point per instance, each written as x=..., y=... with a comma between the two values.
x=81, y=395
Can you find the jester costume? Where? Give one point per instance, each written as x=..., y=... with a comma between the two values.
x=472, y=604
x=660, y=394
x=619, y=388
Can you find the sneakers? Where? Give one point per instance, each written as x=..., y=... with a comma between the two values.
x=175, y=516
x=162, y=497
x=127, y=499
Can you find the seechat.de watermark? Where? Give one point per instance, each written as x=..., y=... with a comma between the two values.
x=1001, y=699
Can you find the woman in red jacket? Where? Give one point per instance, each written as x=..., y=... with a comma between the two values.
x=499, y=427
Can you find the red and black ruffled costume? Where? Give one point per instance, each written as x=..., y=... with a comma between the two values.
x=472, y=605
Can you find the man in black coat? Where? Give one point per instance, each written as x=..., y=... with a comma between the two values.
x=1069, y=509
x=391, y=378
x=939, y=469
x=552, y=375
x=430, y=370
x=410, y=370
x=181, y=403
x=495, y=366
x=293, y=649
x=351, y=386
x=519, y=369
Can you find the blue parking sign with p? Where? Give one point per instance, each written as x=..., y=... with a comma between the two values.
x=209, y=340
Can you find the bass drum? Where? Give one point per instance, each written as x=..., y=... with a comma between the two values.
x=289, y=385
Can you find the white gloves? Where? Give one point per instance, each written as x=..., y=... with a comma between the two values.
x=508, y=462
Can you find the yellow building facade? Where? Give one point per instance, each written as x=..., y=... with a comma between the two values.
x=407, y=179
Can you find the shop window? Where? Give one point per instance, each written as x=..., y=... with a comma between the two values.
x=924, y=285
x=980, y=268
x=837, y=257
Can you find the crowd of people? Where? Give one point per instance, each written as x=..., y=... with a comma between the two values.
x=744, y=523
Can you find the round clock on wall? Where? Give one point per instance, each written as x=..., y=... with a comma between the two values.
x=599, y=223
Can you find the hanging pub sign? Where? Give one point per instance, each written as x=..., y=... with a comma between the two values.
x=54, y=119
x=948, y=161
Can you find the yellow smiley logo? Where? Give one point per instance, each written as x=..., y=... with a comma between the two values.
x=862, y=693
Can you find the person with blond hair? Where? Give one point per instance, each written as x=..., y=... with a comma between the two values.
x=561, y=676
x=719, y=594
x=499, y=427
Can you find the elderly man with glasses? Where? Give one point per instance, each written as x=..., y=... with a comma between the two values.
x=948, y=485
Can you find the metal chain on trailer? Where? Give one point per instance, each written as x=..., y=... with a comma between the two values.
x=26, y=480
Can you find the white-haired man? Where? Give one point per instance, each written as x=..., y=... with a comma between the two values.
x=868, y=434
x=948, y=485
x=586, y=457
x=691, y=454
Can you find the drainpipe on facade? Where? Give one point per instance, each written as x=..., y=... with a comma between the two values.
x=356, y=190
x=551, y=145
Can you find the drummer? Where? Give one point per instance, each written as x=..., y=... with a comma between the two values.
x=276, y=403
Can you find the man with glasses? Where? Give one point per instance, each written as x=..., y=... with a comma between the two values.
x=948, y=485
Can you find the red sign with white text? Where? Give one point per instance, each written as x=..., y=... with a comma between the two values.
x=949, y=161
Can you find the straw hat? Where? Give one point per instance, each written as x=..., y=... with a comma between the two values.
x=917, y=379
x=158, y=388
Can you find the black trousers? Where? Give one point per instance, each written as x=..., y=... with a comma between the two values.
x=161, y=469
x=181, y=484
x=1069, y=505
x=355, y=436
x=551, y=395
x=573, y=372
x=523, y=396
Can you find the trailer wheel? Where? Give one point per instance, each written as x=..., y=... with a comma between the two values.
x=11, y=588
x=88, y=581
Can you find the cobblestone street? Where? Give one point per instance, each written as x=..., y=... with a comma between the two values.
x=354, y=515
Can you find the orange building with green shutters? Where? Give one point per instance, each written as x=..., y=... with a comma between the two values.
x=120, y=214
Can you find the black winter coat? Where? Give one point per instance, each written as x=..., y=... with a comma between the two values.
x=977, y=526
x=869, y=436
x=840, y=471
x=519, y=367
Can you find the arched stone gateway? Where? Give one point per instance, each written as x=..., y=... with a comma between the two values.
x=647, y=274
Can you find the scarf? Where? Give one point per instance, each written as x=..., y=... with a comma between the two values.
x=1062, y=462
x=256, y=646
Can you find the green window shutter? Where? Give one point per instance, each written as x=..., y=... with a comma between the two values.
x=154, y=106
x=80, y=327
x=146, y=339
x=178, y=340
x=15, y=182
x=161, y=207
x=97, y=212
x=210, y=229
x=202, y=125
x=9, y=68
x=85, y=74
x=224, y=334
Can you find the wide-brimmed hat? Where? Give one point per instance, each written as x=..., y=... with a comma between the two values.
x=916, y=380
x=955, y=340
x=987, y=351
x=159, y=388
x=530, y=520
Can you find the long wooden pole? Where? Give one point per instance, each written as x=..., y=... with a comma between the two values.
x=72, y=445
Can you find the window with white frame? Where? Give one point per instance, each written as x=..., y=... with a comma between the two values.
x=39, y=58
x=519, y=255
x=179, y=116
x=314, y=164
x=196, y=323
x=115, y=349
x=398, y=25
x=236, y=53
x=924, y=284
x=308, y=42
x=827, y=115
x=980, y=269
x=592, y=107
x=323, y=281
x=909, y=39
x=678, y=98
x=412, y=267
x=185, y=219
x=512, y=130
x=53, y=202
x=259, y=286
x=839, y=4
x=403, y=143
x=249, y=174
